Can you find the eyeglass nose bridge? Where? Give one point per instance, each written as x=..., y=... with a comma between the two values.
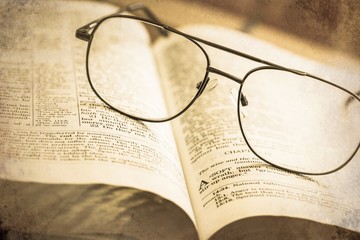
x=224, y=74
x=243, y=100
x=203, y=84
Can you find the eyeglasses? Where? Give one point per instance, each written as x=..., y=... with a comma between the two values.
x=306, y=124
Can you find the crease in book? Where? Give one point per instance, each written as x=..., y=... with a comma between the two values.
x=71, y=168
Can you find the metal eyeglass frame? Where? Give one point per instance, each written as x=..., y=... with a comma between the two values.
x=87, y=32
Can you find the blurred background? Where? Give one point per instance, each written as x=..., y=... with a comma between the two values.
x=330, y=22
x=319, y=29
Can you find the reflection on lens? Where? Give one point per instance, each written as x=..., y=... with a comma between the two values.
x=123, y=70
x=299, y=123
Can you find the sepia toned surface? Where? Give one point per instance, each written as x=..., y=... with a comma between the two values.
x=35, y=218
x=319, y=29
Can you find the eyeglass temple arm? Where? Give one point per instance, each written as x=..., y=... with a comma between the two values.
x=84, y=33
x=142, y=7
x=353, y=98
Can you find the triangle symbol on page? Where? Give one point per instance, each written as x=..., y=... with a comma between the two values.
x=203, y=184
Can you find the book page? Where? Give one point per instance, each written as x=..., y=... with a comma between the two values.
x=53, y=127
x=226, y=180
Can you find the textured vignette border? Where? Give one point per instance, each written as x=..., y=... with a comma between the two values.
x=346, y=35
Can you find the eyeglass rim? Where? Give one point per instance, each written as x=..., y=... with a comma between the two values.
x=209, y=69
x=239, y=108
x=161, y=27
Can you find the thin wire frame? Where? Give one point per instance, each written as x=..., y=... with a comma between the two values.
x=88, y=31
x=239, y=109
x=163, y=30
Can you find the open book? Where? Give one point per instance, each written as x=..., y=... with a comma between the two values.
x=77, y=164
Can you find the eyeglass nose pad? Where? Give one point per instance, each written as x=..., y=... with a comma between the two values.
x=243, y=100
x=212, y=83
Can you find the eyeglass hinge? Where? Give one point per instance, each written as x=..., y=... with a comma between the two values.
x=83, y=34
